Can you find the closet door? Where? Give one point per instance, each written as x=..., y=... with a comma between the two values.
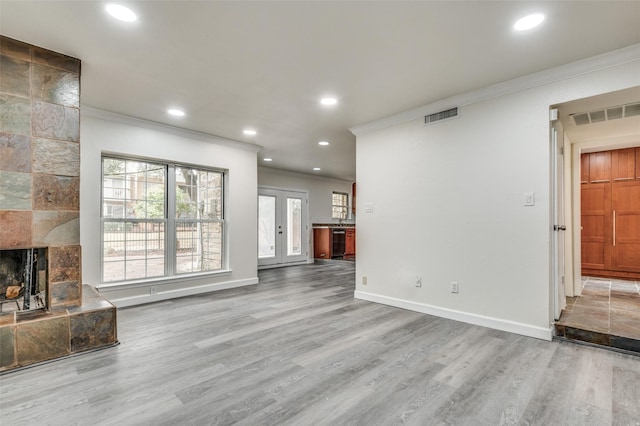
x=625, y=254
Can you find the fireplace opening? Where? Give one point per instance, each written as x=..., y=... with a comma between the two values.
x=23, y=279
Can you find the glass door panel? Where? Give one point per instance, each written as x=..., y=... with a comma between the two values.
x=266, y=226
x=294, y=226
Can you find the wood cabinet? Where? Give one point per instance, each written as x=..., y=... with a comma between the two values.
x=322, y=243
x=350, y=243
x=610, y=214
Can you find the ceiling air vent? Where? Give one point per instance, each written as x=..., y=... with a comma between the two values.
x=442, y=115
x=632, y=110
x=581, y=119
x=597, y=116
x=612, y=113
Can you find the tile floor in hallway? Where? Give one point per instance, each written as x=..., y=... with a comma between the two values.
x=606, y=306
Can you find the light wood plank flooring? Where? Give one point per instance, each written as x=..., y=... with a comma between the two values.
x=297, y=349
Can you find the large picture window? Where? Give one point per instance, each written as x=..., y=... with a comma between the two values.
x=160, y=220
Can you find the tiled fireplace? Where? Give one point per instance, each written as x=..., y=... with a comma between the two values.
x=39, y=213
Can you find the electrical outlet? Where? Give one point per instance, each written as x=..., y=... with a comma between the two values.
x=364, y=280
x=455, y=288
x=153, y=290
x=418, y=281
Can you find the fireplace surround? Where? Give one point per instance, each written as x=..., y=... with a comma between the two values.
x=39, y=213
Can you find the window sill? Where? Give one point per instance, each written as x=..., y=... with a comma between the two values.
x=176, y=279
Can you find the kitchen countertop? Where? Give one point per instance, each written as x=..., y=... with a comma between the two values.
x=333, y=225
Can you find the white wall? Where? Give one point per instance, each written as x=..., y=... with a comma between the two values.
x=448, y=205
x=319, y=189
x=106, y=132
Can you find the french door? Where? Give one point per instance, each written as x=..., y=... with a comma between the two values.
x=282, y=227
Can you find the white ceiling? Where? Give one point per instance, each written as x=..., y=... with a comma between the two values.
x=232, y=65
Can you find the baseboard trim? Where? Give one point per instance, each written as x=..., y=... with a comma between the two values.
x=495, y=323
x=122, y=302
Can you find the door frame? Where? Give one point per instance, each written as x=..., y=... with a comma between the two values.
x=306, y=238
x=559, y=220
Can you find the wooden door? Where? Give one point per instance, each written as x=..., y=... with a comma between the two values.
x=596, y=223
x=625, y=254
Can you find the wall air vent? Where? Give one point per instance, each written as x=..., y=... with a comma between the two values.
x=442, y=115
x=612, y=113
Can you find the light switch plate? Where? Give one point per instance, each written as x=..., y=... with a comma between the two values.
x=529, y=199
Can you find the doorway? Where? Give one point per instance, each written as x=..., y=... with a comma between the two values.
x=605, y=308
x=282, y=227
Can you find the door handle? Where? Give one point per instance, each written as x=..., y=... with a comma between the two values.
x=614, y=228
x=559, y=228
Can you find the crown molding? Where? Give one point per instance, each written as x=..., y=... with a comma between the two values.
x=541, y=78
x=89, y=111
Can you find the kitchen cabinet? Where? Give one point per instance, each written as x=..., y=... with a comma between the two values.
x=350, y=243
x=322, y=243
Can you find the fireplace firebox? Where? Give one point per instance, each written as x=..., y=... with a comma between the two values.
x=23, y=279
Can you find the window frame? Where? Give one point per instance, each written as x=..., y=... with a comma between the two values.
x=170, y=222
x=345, y=206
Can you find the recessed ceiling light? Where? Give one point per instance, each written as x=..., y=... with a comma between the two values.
x=323, y=143
x=249, y=132
x=528, y=22
x=120, y=12
x=175, y=112
x=316, y=169
x=267, y=159
x=328, y=101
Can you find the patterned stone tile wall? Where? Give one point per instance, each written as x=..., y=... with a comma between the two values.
x=40, y=161
x=39, y=205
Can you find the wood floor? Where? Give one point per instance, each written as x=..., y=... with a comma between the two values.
x=297, y=349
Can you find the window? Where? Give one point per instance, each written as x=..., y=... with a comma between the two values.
x=160, y=220
x=339, y=205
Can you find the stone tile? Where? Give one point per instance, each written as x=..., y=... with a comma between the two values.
x=15, y=191
x=56, y=192
x=7, y=318
x=14, y=76
x=56, y=157
x=15, y=115
x=15, y=231
x=588, y=336
x=15, y=153
x=630, y=302
x=51, y=228
x=64, y=264
x=7, y=346
x=15, y=48
x=594, y=321
x=94, y=329
x=56, y=122
x=43, y=339
x=625, y=326
x=55, y=86
x=626, y=343
x=56, y=60
x=65, y=293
